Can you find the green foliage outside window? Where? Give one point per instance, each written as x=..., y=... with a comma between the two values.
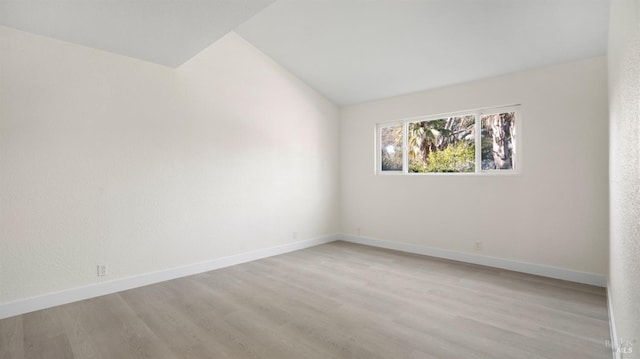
x=459, y=157
x=442, y=145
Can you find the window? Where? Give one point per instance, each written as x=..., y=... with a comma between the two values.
x=391, y=147
x=450, y=144
x=498, y=141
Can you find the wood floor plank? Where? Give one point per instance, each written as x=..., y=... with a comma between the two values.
x=338, y=300
x=183, y=337
x=44, y=336
x=77, y=334
x=11, y=338
x=116, y=331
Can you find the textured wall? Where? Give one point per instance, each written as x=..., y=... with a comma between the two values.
x=555, y=212
x=624, y=100
x=109, y=160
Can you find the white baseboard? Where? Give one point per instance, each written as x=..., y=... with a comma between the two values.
x=95, y=290
x=524, y=267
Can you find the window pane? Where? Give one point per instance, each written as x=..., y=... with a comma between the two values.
x=498, y=141
x=442, y=145
x=391, y=147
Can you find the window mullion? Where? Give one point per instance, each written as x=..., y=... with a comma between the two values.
x=478, y=141
x=405, y=147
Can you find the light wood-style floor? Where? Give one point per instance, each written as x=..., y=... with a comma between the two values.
x=337, y=300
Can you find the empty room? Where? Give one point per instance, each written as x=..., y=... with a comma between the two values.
x=320, y=179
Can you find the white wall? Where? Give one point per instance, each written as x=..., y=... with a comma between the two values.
x=110, y=160
x=624, y=100
x=555, y=213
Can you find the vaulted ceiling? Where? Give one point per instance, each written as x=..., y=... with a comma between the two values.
x=351, y=51
x=167, y=32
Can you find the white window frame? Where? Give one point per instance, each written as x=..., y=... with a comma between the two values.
x=478, y=113
x=378, y=149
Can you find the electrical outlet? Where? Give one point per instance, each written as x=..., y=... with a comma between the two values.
x=359, y=230
x=295, y=235
x=102, y=270
x=478, y=246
